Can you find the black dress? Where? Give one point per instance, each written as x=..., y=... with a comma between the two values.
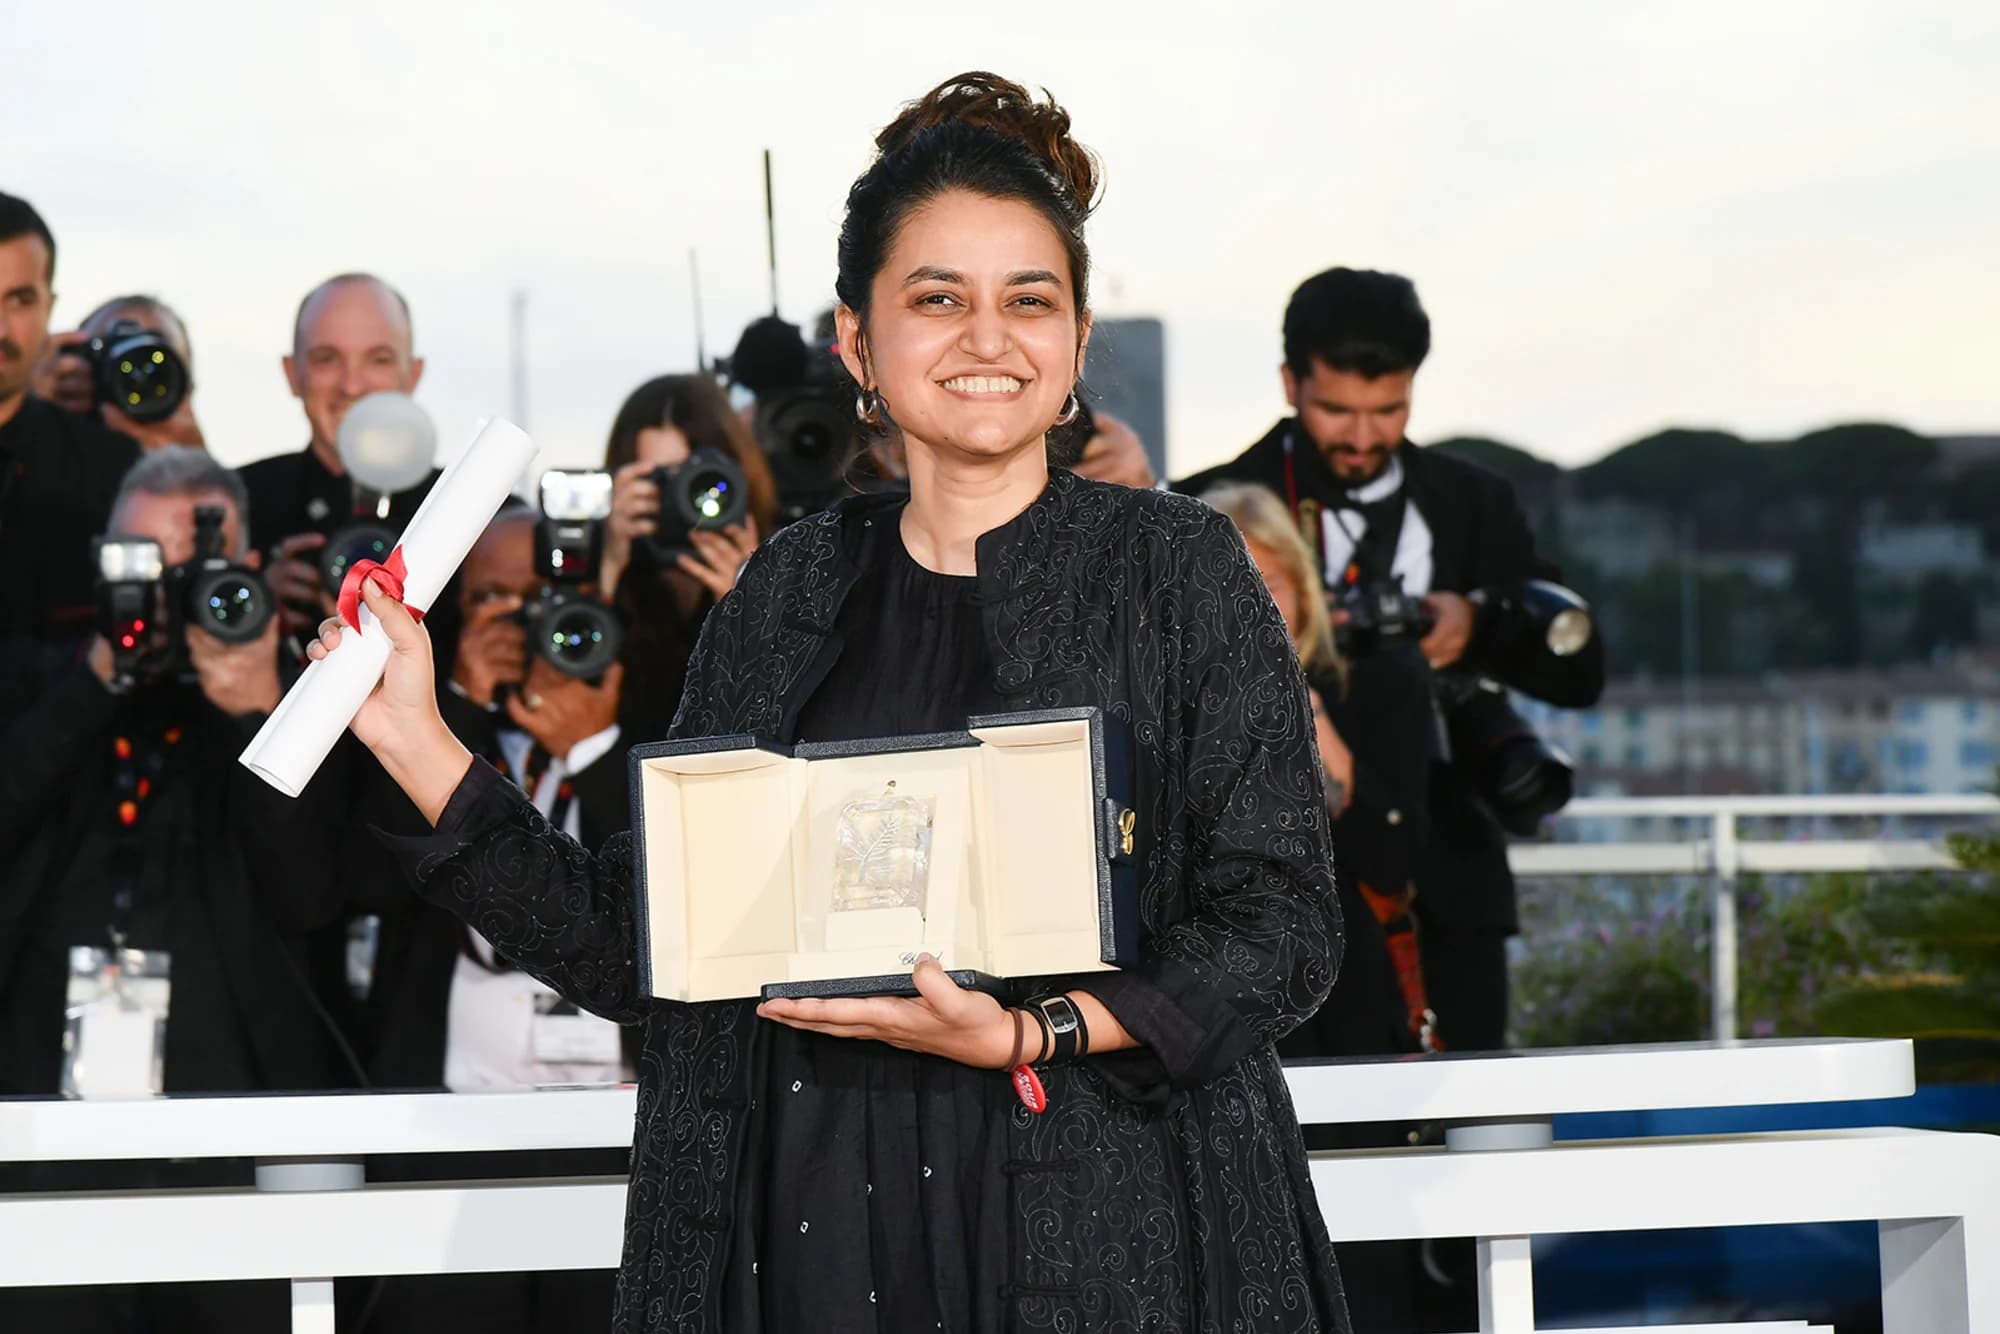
x=868, y=1161
x=1165, y=1187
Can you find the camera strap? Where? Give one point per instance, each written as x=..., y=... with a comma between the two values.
x=1399, y=931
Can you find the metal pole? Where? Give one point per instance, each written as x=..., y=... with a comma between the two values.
x=1690, y=651
x=1722, y=928
x=771, y=231
x=517, y=347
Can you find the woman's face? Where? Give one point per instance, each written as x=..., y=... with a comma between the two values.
x=661, y=445
x=1284, y=591
x=972, y=338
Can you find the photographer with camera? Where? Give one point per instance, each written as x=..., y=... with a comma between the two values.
x=130, y=364
x=1433, y=570
x=692, y=496
x=157, y=937
x=352, y=338
x=58, y=470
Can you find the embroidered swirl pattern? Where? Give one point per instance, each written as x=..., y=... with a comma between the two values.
x=1165, y=1190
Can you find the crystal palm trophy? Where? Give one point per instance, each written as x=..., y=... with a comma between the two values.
x=882, y=850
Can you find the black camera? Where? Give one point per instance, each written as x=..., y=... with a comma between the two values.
x=365, y=536
x=1521, y=778
x=144, y=606
x=576, y=631
x=1372, y=615
x=707, y=490
x=1518, y=776
x=136, y=371
x=804, y=421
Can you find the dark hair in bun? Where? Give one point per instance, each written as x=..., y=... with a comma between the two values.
x=976, y=132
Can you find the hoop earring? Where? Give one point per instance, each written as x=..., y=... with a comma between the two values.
x=868, y=407
x=1070, y=410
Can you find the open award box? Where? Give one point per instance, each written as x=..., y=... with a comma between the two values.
x=825, y=869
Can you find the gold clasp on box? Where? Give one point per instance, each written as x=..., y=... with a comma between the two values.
x=1128, y=820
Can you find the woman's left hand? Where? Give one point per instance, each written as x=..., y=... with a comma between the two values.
x=943, y=1019
x=719, y=557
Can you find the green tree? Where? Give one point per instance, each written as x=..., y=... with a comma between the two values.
x=1509, y=461
x=1676, y=469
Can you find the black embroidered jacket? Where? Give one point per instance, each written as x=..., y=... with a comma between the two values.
x=1183, y=1200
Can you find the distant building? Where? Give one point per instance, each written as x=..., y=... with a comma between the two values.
x=1125, y=375
x=1906, y=730
x=1619, y=538
x=1765, y=569
x=1909, y=551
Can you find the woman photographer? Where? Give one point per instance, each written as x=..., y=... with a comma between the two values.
x=865, y=1164
x=665, y=594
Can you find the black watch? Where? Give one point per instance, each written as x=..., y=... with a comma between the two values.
x=1068, y=1037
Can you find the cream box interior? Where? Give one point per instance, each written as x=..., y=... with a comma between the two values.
x=739, y=854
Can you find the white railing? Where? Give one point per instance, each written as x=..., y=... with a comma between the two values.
x=1718, y=850
x=1500, y=1177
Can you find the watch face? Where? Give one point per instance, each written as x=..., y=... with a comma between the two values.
x=1061, y=1015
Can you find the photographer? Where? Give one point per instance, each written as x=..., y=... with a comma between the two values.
x=664, y=582
x=70, y=375
x=351, y=338
x=58, y=471
x=139, y=860
x=1379, y=510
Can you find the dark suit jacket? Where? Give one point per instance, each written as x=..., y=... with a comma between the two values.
x=410, y=1003
x=1480, y=541
x=58, y=474
x=219, y=851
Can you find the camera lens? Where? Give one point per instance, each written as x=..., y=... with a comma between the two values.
x=708, y=496
x=357, y=542
x=142, y=376
x=231, y=604
x=580, y=638
x=710, y=491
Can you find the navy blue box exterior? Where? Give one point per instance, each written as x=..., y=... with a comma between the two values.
x=1111, y=783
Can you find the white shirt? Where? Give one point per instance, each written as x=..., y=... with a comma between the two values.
x=491, y=1028
x=1341, y=529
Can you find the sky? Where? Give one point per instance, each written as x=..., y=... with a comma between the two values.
x=1758, y=216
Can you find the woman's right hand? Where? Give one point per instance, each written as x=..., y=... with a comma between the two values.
x=399, y=720
x=403, y=704
x=635, y=512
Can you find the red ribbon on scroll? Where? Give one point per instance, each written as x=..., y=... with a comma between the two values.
x=388, y=573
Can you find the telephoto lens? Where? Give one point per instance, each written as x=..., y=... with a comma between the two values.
x=707, y=491
x=1522, y=779
x=136, y=371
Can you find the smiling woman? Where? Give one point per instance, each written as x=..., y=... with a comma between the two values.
x=864, y=1164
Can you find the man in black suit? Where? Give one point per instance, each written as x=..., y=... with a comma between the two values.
x=58, y=470
x=1379, y=510
x=352, y=337
x=1377, y=507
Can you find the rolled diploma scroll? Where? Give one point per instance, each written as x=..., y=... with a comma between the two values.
x=293, y=742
